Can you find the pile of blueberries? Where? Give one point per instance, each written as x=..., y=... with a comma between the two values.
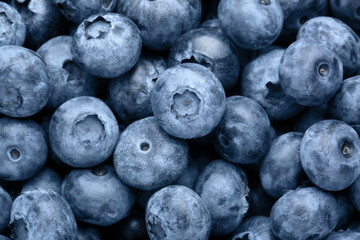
x=179, y=119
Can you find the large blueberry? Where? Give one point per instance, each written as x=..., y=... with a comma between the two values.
x=47, y=178
x=107, y=45
x=188, y=101
x=42, y=214
x=304, y=213
x=77, y=10
x=243, y=135
x=254, y=228
x=68, y=79
x=310, y=72
x=24, y=82
x=260, y=82
x=162, y=22
x=347, y=11
x=97, y=195
x=177, y=213
x=210, y=48
x=130, y=94
x=83, y=132
x=23, y=149
x=251, y=24
x=223, y=188
x=343, y=235
x=146, y=157
x=330, y=154
x=281, y=168
x=296, y=13
x=5, y=203
x=13, y=28
x=337, y=36
x=345, y=105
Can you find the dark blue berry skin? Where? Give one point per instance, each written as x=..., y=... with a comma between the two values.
x=188, y=101
x=211, y=23
x=25, y=85
x=130, y=94
x=223, y=188
x=260, y=82
x=161, y=22
x=310, y=116
x=296, y=13
x=42, y=214
x=42, y=19
x=87, y=232
x=330, y=154
x=97, y=195
x=147, y=158
x=177, y=213
x=337, y=36
x=107, y=45
x=347, y=11
x=76, y=11
x=280, y=170
x=83, y=132
x=304, y=213
x=2, y=237
x=251, y=24
x=68, y=79
x=5, y=203
x=310, y=72
x=254, y=228
x=343, y=235
x=346, y=209
x=260, y=203
x=133, y=227
x=47, y=179
x=190, y=175
x=13, y=28
x=243, y=135
x=345, y=105
x=23, y=149
x=210, y=48
x=354, y=193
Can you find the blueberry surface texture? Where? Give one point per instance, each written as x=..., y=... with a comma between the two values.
x=329, y=154
x=177, y=213
x=83, y=132
x=251, y=24
x=254, y=228
x=188, y=101
x=347, y=11
x=24, y=80
x=47, y=179
x=12, y=25
x=107, y=45
x=243, y=135
x=23, y=149
x=147, y=158
x=5, y=203
x=343, y=235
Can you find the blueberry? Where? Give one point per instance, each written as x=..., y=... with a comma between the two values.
x=76, y=11
x=260, y=82
x=97, y=195
x=337, y=36
x=253, y=24
x=130, y=93
x=345, y=105
x=68, y=79
x=330, y=154
x=25, y=85
x=107, y=45
x=162, y=22
x=304, y=213
x=5, y=203
x=147, y=158
x=254, y=228
x=223, y=188
x=188, y=101
x=83, y=132
x=87, y=232
x=177, y=213
x=46, y=179
x=343, y=235
x=243, y=135
x=280, y=170
x=310, y=72
x=13, y=28
x=347, y=11
x=210, y=48
x=42, y=214
x=346, y=209
x=23, y=149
